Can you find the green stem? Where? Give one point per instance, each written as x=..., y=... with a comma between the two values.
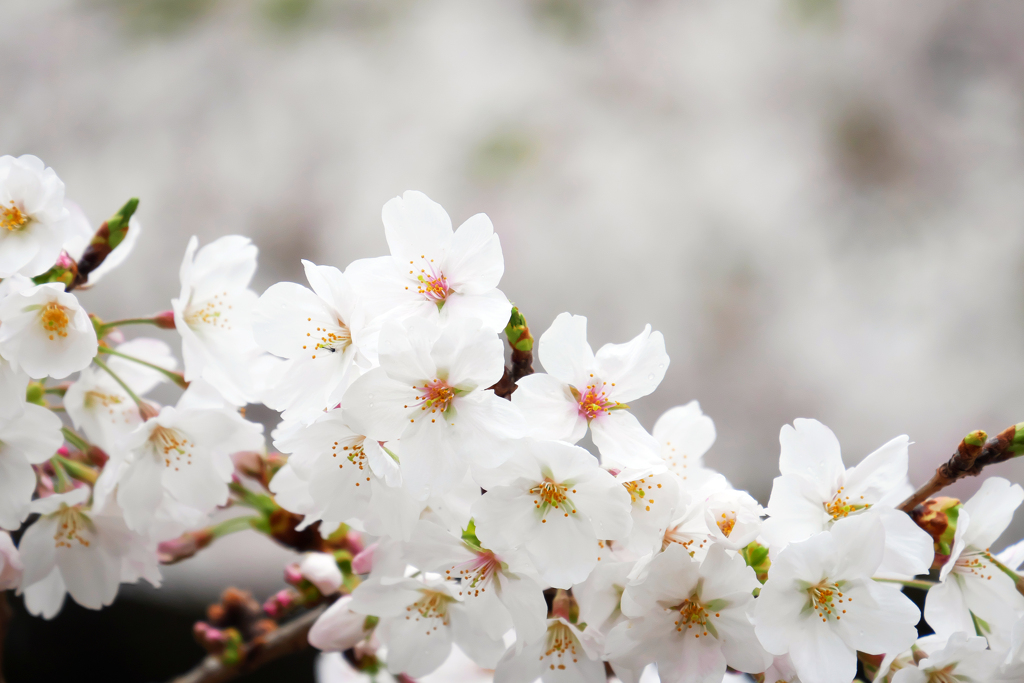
x=920, y=584
x=59, y=391
x=75, y=440
x=79, y=471
x=63, y=480
x=106, y=327
x=102, y=365
x=230, y=526
x=175, y=377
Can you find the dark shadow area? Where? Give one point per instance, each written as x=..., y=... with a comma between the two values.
x=129, y=642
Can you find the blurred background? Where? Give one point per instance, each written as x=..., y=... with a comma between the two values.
x=820, y=204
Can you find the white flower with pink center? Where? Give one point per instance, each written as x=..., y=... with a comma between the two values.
x=431, y=393
x=501, y=582
x=553, y=502
x=585, y=389
x=434, y=272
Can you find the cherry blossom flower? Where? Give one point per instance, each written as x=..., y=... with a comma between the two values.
x=554, y=502
x=420, y=619
x=692, y=618
x=213, y=313
x=500, y=582
x=27, y=439
x=433, y=272
x=815, y=490
x=963, y=659
x=99, y=406
x=561, y=652
x=182, y=453
x=655, y=498
x=85, y=552
x=821, y=606
x=684, y=434
x=689, y=529
x=323, y=335
x=974, y=593
x=583, y=388
x=45, y=331
x=432, y=392
x=32, y=216
x=341, y=471
x=10, y=563
x=733, y=518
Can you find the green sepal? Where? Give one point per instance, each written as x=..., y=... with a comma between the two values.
x=35, y=393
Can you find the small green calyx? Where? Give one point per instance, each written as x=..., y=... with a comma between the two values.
x=35, y=393
x=518, y=332
x=756, y=557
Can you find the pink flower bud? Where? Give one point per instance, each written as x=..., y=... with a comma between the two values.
x=292, y=574
x=338, y=629
x=363, y=562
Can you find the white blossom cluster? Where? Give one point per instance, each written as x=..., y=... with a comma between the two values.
x=487, y=533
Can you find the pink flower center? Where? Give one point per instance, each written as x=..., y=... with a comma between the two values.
x=433, y=285
x=594, y=401
x=436, y=396
x=475, y=574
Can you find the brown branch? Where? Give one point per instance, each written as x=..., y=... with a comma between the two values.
x=972, y=455
x=288, y=639
x=521, y=342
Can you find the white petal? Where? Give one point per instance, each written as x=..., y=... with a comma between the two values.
x=564, y=351
x=636, y=368
x=474, y=263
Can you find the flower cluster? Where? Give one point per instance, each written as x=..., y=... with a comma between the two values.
x=450, y=519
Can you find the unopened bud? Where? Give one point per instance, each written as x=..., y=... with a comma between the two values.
x=518, y=332
x=35, y=393
x=363, y=562
x=292, y=574
x=147, y=411
x=756, y=557
x=280, y=603
x=165, y=320
x=938, y=516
